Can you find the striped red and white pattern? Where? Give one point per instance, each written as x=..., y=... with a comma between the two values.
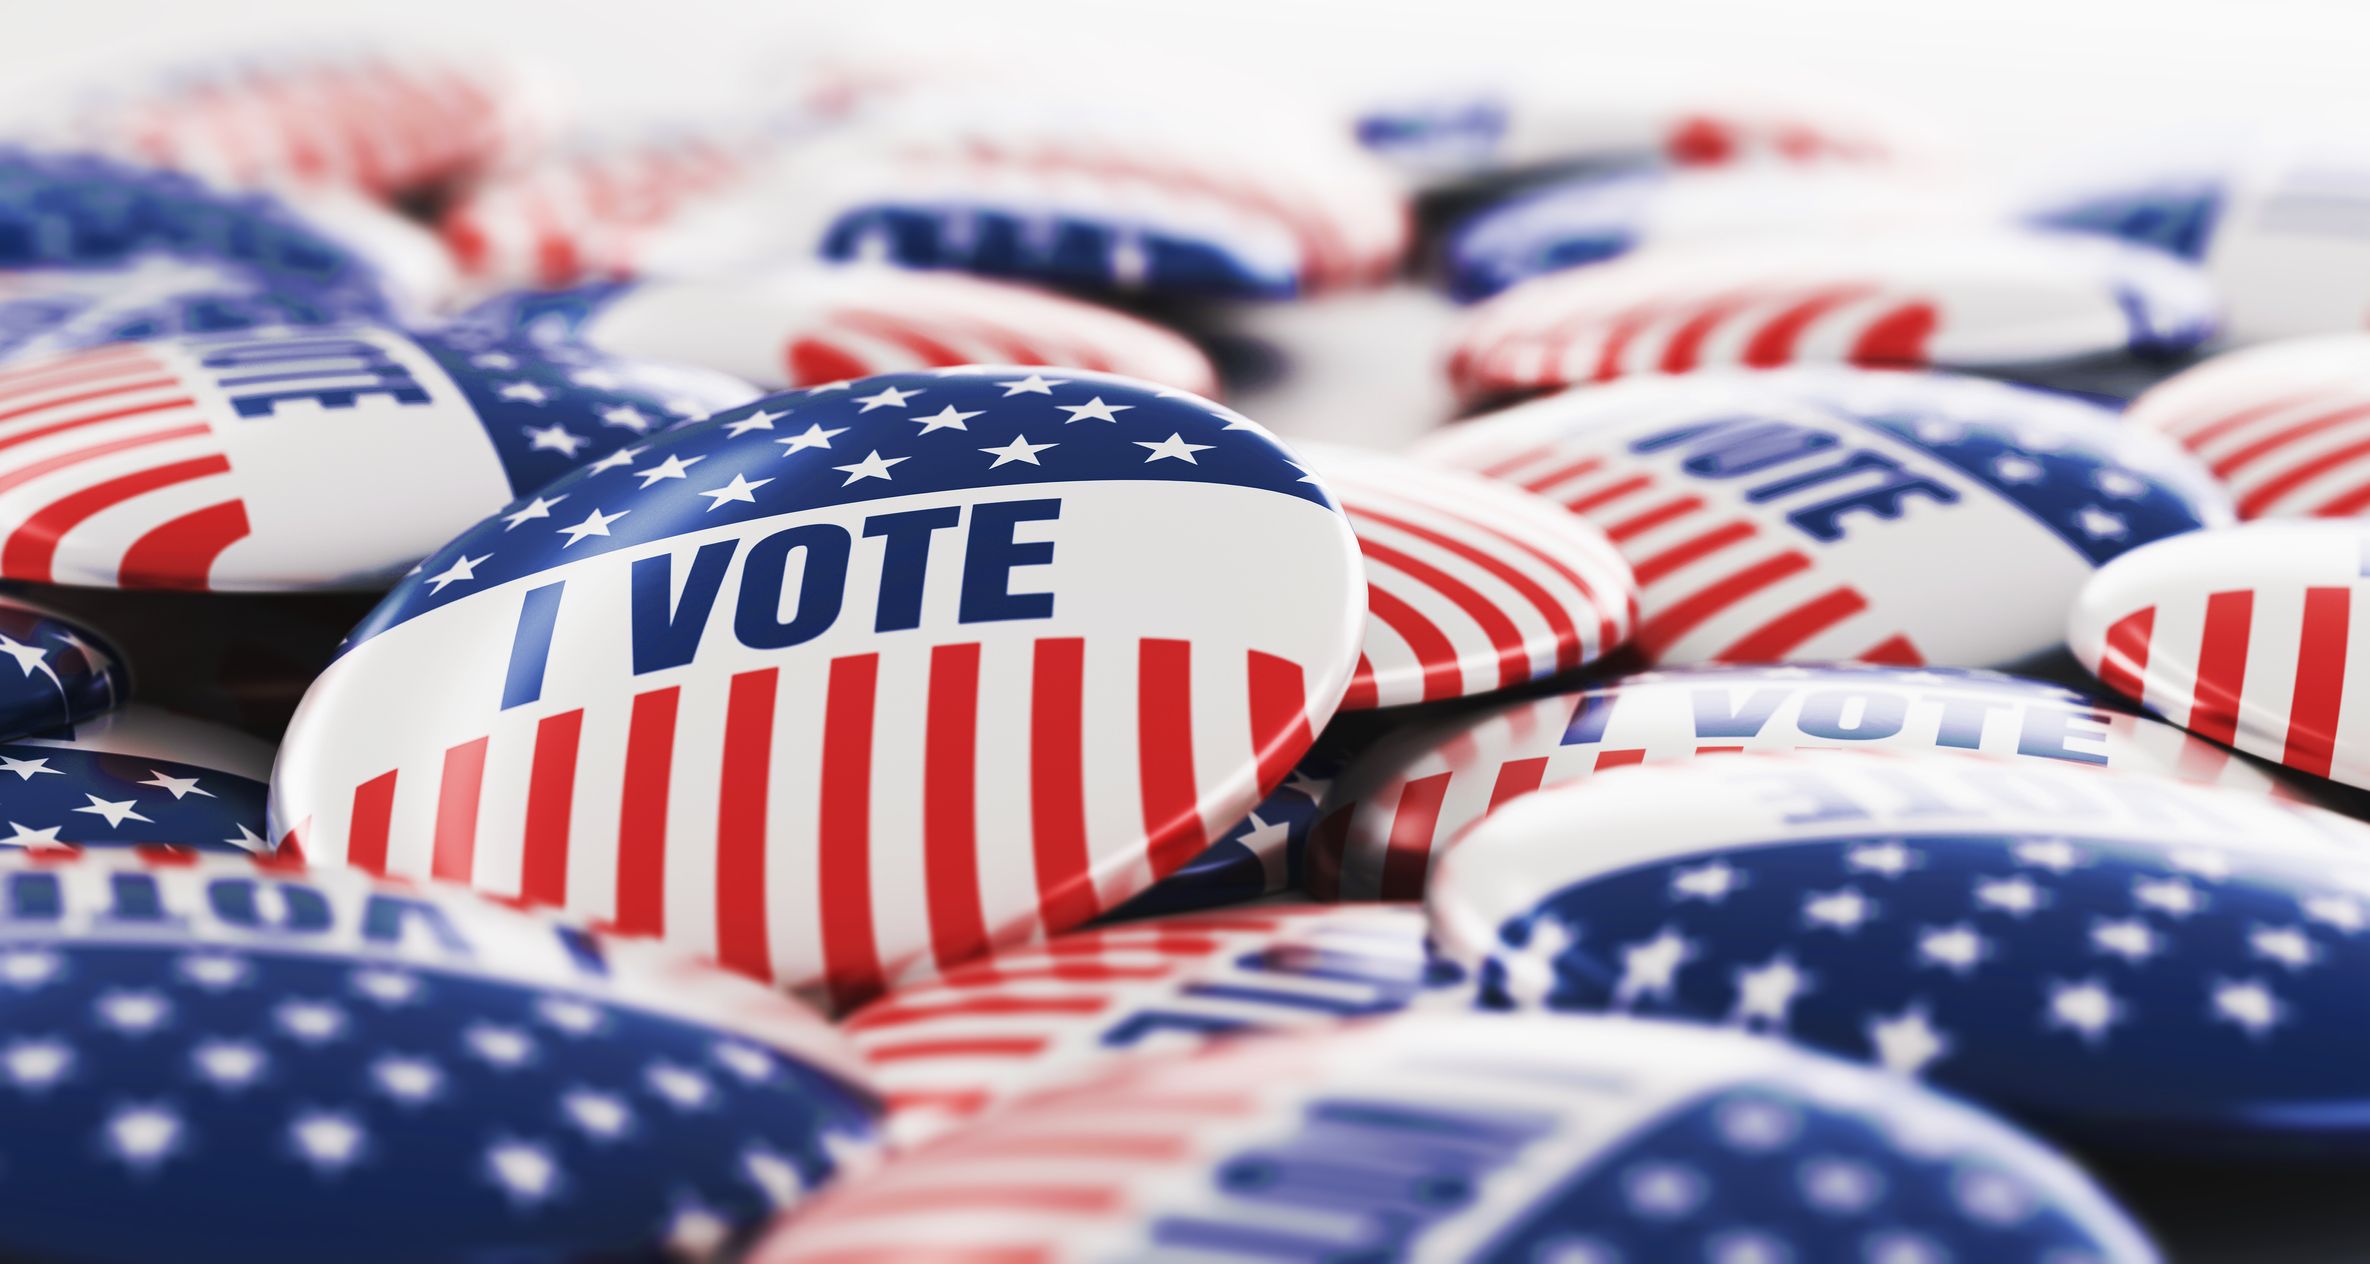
x=2286, y=425
x=1970, y=300
x=1388, y=817
x=944, y=1050
x=1471, y=586
x=383, y=124
x=2246, y=636
x=595, y=212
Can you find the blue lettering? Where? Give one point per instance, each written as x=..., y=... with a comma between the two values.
x=822, y=581
x=1880, y=715
x=301, y=909
x=1821, y=521
x=1715, y=716
x=2049, y=730
x=990, y=553
x=134, y=898
x=1735, y=447
x=392, y=919
x=530, y=644
x=1963, y=720
x=34, y=897
x=905, y=558
x=1590, y=717
x=666, y=631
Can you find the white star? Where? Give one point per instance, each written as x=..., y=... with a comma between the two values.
x=2249, y=1004
x=37, y=1063
x=1020, y=449
x=1844, y=1187
x=1663, y=1190
x=2173, y=896
x=622, y=456
x=2017, y=896
x=687, y=1089
x=494, y=360
x=945, y=419
x=30, y=967
x=180, y=786
x=504, y=1047
x=28, y=658
x=1093, y=410
x=407, y=1080
x=2054, y=854
x=526, y=392
x=597, y=379
x=1845, y=910
x=695, y=1233
x=525, y=1171
x=595, y=523
x=814, y=436
x=1529, y=969
x=2016, y=469
x=872, y=466
x=889, y=397
x=740, y=489
x=2119, y=483
x=1992, y=1197
x=2287, y=945
x=1955, y=948
x=1757, y=1125
x=116, y=812
x=231, y=1064
x=1308, y=787
x=248, y=840
x=1907, y=1042
x=673, y=467
x=2213, y=866
x=312, y=1022
x=33, y=839
x=555, y=438
x=1888, y=858
x=601, y=1116
x=1709, y=882
x=577, y=1018
x=214, y=971
x=2098, y=524
x=27, y=769
x=1033, y=384
x=463, y=568
x=2087, y=1008
x=143, y=1136
x=2336, y=910
x=134, y=1013
x=329, y=1142
x=627, y=417
x=1650, y=969
x=2131, y=940
x=1765, y=993
x=536, y=508
x=1173, y=447
x=774, y=1175
x=750, y=1064
x=759, y=420
x=387, y=987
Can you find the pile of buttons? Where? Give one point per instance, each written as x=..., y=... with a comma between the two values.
x=763, y=689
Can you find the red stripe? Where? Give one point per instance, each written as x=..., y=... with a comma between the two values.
x=1786, y=633
x=32, y=548
x=1610, y=492
x=1897, y=337
x=1617, y=759
x=89, y=367
x=950, y=840
x=1434, y=652
x=182, y=553
x=1362, y=695
x=1685, y=347
x=23, y=474
x=56, y=402
x=1057, y=790
x=1409, y=852
x=26, y=436
x=2222, y=665
x=1570, y=470
x=1676, y=620
x=887, y=1014
x=1279, y=717
x=930, y=351
x=1692, y=549
x=1514, y=659
x=742, y=941
x=2260, y=497
x=642, y=812
x=964, y=1047
x=2265, y=444
x=2238, y=420
x=551, y=797
x=1624, y=330
x=2346, y=504
x=366, y=838
x=2123, y=661
x=843, y=863
x=1516, y=778
x=814, y=361
x=1164, y=754
x=1639, y=524
x=1773, y=343
x=455, y=857
x=1896, y=651
x=1557, y=618
x=2320, y=680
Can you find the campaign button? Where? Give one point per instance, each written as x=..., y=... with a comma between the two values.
x=1838, y=514
x=301, y=458
x=2244, y=636
x=1266, y=852
x=1387, y=818
x=1439, y=1137
x=852, y=679
x=808, y=326
x=135, y=775
x=2000, y=302
x=1592, y=218
x=1472, y=585
x=945, y=1050
x=2130, y=963
x=66, y=672
x=2285, y=426
x=252, y=1061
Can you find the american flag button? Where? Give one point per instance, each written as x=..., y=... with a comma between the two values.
x=1389, y=816
x=249, y=1061
x=707, y=687
x=136, y=775
x=2243, y=636
x=944, y=1051
x=1832, y=513
x=1596, y=217
x=2128, y=963
x=1437, y=1137
x=809, y=326
x=283, y=459
x=2018, y=303
x=66, y=671
x=2285, y=425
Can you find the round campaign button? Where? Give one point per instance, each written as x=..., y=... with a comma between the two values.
x=309, y=458
x=1592, y=218
x=137, y=775
x=808, y=326
x=1266, y=852
x=852, y=679
x=945, y=1050
x=2132, y=963
x=252, y=1062
x=1835, y=513
x=1437, y=1137
x=1389, y=815
x=1997, y=301
x=2243, y=636
x=65, y=672
x=1471, y=585
x=2285, y=425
